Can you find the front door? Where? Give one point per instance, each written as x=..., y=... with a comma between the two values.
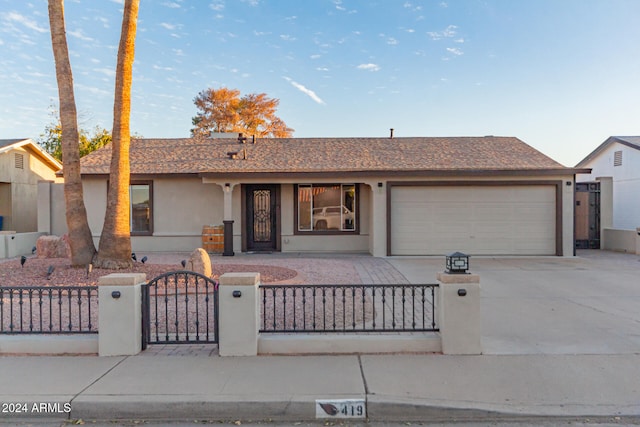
x=261, y=211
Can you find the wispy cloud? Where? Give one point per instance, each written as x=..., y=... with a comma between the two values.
x=305, y=90
x=217, y=5
x=409, y=5
x=21, y=19
x=369, y=67
x=392, y=41
x=448, y=32
x=341, y=8
x=80, y=35
x=168, y=26
x=158, y=67
x=105, y=21
x=171, y=5
x=106, y=71
x=455, y=51
x=287, y=37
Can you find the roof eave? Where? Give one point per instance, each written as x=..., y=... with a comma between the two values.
x=602, y=147
x=397, y=173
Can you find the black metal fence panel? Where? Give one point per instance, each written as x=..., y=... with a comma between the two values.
x=49, y=310
x=348, y=308
x=180, y=307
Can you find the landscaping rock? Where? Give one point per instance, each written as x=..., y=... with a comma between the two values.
x=200, y=262
x=53, y=247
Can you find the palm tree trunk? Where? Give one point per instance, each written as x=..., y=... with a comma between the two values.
x=80, y=239
x=115, y=241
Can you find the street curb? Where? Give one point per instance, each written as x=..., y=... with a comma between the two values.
x=194, y=410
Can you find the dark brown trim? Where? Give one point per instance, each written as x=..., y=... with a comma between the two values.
x=354, y=232
x=243, y=218
x=557, y=183
x=244, y=213
x=139, y=176
x=151, y=208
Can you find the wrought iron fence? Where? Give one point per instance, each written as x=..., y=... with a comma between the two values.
x=49, y=310
x=180, y=307
x=348, y=308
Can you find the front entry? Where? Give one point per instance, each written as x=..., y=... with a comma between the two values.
x=587, y=215
x=262, y=217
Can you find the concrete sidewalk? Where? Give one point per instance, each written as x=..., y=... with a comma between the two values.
x=395, y=387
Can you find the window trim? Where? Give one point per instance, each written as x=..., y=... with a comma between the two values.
x=355, y=231
x=151, y=209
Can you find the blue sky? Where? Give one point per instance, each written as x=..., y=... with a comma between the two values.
x=562, y=75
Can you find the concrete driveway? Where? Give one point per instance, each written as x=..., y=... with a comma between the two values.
x=589, y=304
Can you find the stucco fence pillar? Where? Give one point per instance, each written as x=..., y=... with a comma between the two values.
x=458, y=308
x=239, y=314
x=120, y=314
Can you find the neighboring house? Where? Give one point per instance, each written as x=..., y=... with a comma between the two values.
x=22, y=164
x=384, y=196
x=608, y=200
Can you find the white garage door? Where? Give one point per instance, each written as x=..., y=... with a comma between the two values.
x=476, y=220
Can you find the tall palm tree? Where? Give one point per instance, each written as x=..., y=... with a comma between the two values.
x=114, y=250
x=80, y=240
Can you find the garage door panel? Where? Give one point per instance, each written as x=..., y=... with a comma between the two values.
x=492, y=220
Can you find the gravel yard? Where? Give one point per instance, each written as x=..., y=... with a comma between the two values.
x=71, y=311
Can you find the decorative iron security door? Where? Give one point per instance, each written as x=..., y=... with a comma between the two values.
x=261, y=217
x=180, y=307
x=587, y=215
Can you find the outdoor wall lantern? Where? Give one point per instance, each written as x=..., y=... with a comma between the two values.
x=457, y=263
x=227, y=187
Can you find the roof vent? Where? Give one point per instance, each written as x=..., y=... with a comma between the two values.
x=242, y=139
x=617, y=158
x=19, y=161
x=391, y=133
x=232, y=154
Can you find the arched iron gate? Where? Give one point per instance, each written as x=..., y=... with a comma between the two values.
x=180, y=307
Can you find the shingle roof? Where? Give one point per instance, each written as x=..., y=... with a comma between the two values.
x=316, y=155
x=629, y=141
x=7, y=142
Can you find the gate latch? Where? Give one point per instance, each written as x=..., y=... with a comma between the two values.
x=237, y=294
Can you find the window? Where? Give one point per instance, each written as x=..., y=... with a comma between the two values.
x=141, y=209
x=326, y=208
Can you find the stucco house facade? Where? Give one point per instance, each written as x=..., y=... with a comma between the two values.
x=614, y=193
x=22, y=164
x=383, y=196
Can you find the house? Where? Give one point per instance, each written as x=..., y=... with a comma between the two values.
x=22, y=164
x=384, y=196
x=608, y=200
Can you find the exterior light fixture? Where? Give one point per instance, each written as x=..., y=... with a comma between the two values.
x=457, y=263
x=227, y=187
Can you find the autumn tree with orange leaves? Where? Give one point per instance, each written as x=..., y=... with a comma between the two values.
x=224, y=110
